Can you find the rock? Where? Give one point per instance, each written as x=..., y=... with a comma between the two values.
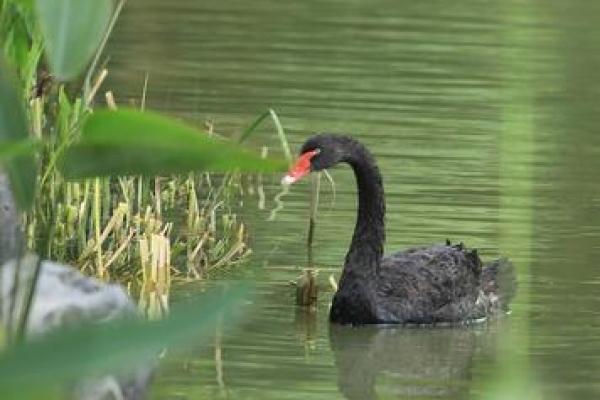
x=64, y=297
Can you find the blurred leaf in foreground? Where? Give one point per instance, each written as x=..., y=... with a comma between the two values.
x=132, y=142
x=13, y=138
x=15, y=149
x=72, y=30
x=46, y=365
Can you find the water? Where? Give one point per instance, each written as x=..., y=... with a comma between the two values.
x=483, y=118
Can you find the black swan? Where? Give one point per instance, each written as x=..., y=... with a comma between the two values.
x=424, y=285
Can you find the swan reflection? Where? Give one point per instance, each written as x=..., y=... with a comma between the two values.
x=413, y=362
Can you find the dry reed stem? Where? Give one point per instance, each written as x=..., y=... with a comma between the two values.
x=97, y=83
x=110, y=100
x=120, y=249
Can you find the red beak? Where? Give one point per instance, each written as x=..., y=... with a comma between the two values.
x=300, y=169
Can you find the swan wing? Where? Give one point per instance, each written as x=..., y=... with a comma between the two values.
x=428, y=285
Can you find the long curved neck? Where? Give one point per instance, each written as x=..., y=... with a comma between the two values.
x=366, y=249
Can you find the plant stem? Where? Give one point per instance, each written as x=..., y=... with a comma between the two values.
x=97, y=223
x=24, y=315
x=315, y=188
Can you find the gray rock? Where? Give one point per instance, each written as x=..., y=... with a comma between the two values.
x=64, y=297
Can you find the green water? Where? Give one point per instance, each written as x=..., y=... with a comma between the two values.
x=483, y=116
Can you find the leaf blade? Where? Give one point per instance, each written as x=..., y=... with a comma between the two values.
x=13, y=129
x=110, y=348
x=10, y=149
x=72, y=31
x=133, y=142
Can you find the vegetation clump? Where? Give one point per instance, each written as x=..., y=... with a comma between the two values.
x=141, y=230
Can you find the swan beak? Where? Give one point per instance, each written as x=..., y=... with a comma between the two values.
x=300, y=169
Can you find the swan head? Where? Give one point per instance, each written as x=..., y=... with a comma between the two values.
x=319, y=152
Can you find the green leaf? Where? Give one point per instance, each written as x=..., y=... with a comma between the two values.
x=13, y=130
x=15, y=149
x=72, y=31
x=114, y=347
x=133, y=142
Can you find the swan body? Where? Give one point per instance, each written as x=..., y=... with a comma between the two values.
x=425, y=285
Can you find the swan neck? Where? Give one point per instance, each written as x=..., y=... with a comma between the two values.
x=366, y=249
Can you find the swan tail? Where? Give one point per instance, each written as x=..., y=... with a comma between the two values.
x=500, y=282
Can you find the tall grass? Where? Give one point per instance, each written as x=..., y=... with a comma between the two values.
x=103, y=224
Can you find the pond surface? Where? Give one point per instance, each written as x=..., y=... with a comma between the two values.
x=484, y=118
